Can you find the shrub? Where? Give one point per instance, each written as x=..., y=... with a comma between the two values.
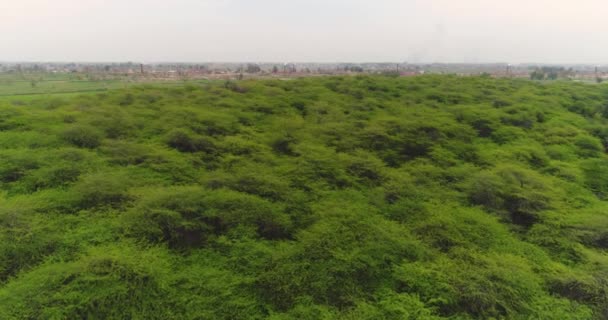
x=83, y=136
x=252, y=180
x=348, y=253
x=26, y=240
x=505, y=134
x=366, y=168
x=392, y=306
x=16, y=165
x=126, y=153
x=596, y=176
x=588, y=146
x=53, y=176
x=285, y=145
x=116, y=126
x=188, y=216
x=511, y=190
x=188, y=142
x=106, y=283
x=101, y=190
x=480, y=286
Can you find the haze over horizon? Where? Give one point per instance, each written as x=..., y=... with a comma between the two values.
x=470, y=31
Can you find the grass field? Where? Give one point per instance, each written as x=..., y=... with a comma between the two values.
x=12, y=85
x=23, y=87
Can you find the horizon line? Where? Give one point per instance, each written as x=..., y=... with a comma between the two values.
x=299, y=62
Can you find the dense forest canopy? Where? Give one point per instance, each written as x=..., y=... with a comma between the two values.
x=434, y=197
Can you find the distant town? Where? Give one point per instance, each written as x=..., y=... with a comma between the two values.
x=188, y=71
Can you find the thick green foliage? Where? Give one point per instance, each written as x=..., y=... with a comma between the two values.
x=435, y=197
x=83, y=136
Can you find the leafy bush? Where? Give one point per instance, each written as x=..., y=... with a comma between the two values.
x=52, y=177
x=186, y=142
x=127, y=153
x=109, y=282
x=16, y=165
x=188, y=216
x=596, y=176
x=27, y=239
x=337, y=259
x=101, y=189
x=83, y=136
x=588, y=146
x=517, y=192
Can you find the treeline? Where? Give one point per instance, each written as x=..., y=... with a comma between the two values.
x=434, y=197
x=551, y=73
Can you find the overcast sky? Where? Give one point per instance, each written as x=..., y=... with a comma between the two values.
x=542, y=31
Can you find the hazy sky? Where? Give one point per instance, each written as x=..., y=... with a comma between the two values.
x=550, y=31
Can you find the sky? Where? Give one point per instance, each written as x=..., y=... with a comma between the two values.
x=415, y=31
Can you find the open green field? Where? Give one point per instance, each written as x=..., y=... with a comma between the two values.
x=12, y=85
x=22, y=87
x=432, y=197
